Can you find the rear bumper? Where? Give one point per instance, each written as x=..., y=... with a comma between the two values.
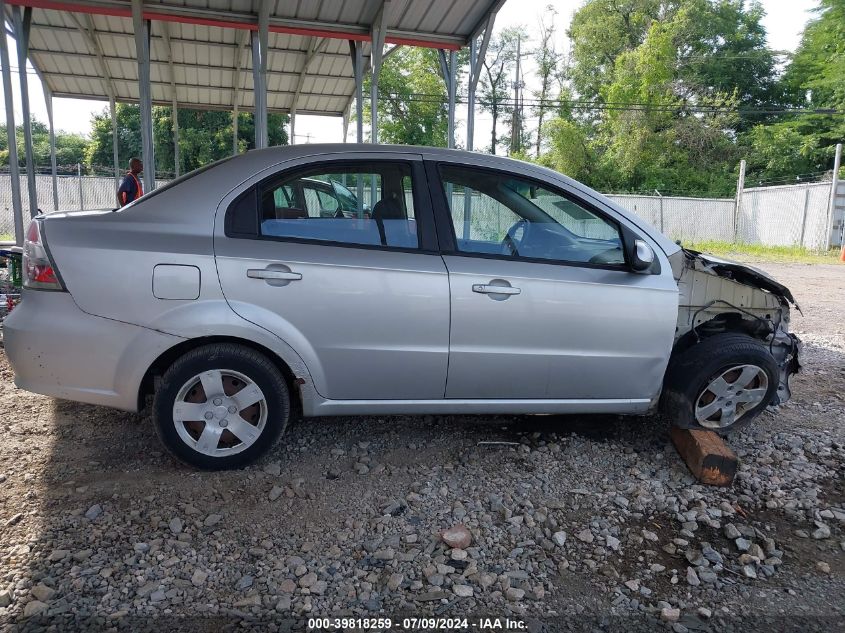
x=58, y=350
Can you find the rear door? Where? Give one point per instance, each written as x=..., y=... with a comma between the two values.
x=364, y=300
x=543, y=303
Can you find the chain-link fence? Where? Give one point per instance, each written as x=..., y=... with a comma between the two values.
x=74, y=192
x=794, y=215
x=685, y=219
x=786, y=216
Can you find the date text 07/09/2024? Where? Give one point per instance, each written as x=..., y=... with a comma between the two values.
x=417, y=624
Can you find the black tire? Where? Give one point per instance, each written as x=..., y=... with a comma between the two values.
x=691, y=371
x=222, y=356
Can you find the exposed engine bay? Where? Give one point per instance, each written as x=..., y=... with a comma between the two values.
x=717, y=295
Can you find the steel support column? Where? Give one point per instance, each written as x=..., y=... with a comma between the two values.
x=740, y=187
x=22, y=21
x=174, y=110
x=834, y=190
x=236, y=90
x=235, y=114
x=292, y=126
x=85, y=25
x=14, y=169
x=177, y=161
x=357, y=54
x=476, y=62
x=315, y=46
x=48, y=102
x=142, y=49
x=259, y=74
x=377, y=33
x=356, y=51
x=448, y=66
x=114, y=144
x=477, y=53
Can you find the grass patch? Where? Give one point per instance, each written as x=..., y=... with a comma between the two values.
x=7, y=237
x=785, y=254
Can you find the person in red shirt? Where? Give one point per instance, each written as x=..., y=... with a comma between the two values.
x=130, y=187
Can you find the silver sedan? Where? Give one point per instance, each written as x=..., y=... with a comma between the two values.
x=366, y=279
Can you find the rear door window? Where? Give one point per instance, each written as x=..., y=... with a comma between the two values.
x=358, y=204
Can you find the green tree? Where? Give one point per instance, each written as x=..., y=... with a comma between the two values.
x=814, y=80
x=204, y=136
x=600, y=31
x=70, y=148
x=661, y=144
x=412, y=106
x=569, y=149
x=671, y=100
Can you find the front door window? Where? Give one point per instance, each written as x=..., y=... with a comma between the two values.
x=505, y=215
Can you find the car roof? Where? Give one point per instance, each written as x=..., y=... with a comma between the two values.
x=273, y=155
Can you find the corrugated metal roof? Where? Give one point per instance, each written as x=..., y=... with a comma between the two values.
x=210, y=52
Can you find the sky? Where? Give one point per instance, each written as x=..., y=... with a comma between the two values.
x=784, y=22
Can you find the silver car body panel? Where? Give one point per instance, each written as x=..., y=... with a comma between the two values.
x=562, y=336
x=448, y=406
x=59, y=350
x=365, y=330
x=369, y=323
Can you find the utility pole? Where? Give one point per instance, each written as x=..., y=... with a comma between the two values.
x=516, y=122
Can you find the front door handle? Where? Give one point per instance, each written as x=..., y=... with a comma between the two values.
x=487, y=289
x=264, y=273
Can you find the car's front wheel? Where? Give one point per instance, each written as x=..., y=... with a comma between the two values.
x=221, y=406
x=720, y=384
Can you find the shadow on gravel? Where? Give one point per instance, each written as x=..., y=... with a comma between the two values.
x=112, y=527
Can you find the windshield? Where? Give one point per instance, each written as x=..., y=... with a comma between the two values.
x=174, y=182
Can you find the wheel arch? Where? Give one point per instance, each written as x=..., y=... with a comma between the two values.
x=722, y=323
x=169, y=356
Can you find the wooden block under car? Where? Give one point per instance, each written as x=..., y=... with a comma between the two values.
x=709, y=459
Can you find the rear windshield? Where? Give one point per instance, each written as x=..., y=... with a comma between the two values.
x=175, y=182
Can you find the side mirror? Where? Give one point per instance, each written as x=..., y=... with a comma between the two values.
x=642, y=256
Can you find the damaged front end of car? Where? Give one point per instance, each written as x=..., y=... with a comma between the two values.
x=717, y=295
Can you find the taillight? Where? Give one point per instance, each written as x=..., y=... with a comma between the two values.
x=39, y=272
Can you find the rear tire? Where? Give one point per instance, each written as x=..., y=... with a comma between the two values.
x=720, y=384
x=221, y=406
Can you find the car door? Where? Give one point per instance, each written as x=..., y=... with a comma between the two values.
x=544, y=305
x=364, y=301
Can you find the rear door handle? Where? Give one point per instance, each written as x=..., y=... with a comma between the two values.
x=264, y=273
x=486, y=289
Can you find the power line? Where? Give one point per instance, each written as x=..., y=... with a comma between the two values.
x=575, y=104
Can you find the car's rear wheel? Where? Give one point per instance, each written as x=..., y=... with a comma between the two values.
x=720, y=384
x=221, y=406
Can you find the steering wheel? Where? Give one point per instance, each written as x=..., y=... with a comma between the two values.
x=510, y=243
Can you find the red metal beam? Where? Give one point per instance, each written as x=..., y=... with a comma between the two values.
x=75, y=7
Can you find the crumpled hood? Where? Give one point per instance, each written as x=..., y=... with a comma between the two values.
x=743, y=274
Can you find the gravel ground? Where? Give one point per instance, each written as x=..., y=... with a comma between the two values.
x=560, y=522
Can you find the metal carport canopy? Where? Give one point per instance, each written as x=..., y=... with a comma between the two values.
x=87, y=49
x=302, y=56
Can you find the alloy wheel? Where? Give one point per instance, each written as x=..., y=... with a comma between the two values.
x=729, y=396
x=220, y=412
